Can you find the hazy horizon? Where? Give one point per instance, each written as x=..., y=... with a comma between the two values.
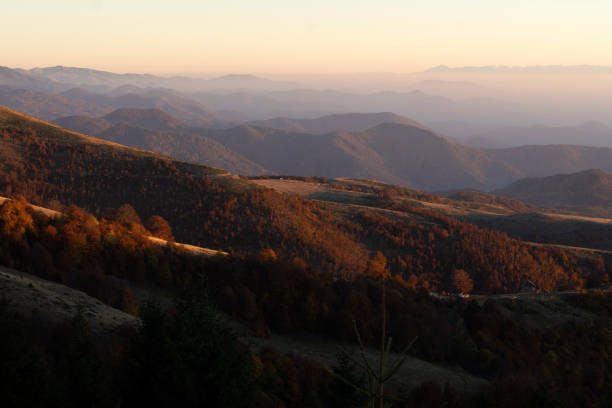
x=267, y=37
x=555, y=68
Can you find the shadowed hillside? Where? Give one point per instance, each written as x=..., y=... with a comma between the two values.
x=403, y=154
x=207, y=208
x=590, y=191
x=46, y=163
x=398, y=153
x=155, y=130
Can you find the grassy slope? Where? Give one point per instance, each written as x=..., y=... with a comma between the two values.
x=55, y=303
x=518, y=219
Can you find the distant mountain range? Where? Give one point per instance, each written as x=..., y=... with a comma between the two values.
x=533, y=69
x=422, y=106
x=243, y=98
x=100, y=81
x=47, y=106
x=348, y=122
x=166, y=100
x=78, y=101
x=155, y=130
x=455, y=89
x=401, y=153
x=586, y=134
x=591, y=188
x=18, y=79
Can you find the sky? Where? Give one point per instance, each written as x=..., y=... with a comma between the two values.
x=308, y=36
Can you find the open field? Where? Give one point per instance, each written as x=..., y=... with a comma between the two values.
x=599, y=220
x=334, y=192
x=302, y=188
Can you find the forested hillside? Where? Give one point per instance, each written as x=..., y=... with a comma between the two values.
x=48, y=165
x=523, y=365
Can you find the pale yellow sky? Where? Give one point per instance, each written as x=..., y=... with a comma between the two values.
x=273, y=36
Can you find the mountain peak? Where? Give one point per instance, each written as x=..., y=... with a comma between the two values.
x=341, y=122
x=589, y=188
x=146, y=118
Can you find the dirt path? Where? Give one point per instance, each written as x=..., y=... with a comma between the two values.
x=195, y=250
x=571, y=248
x=42, y=210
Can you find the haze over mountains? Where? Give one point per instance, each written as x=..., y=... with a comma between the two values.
x=349, y=122
x=167, y=100
x=403, y=152
x=591, y=188
x=46, y=105
x=586, y=134
x=103, y=80
x=539, y=69
x=415, y=104
x=250, y=125
x=155, y=130
x=479, y=100
x=77, y=101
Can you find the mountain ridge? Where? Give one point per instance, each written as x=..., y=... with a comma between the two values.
x=396, y=153
x=346, y=122
x=590, y=133
x=590, y=188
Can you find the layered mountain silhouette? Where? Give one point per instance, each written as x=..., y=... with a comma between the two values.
x=47, y=105
x=586, y=134
x=591, y=188
x=247, y=97
x=349, y=122
x=168, y=101
x=98, y=80
x=313, y=103
x=22, y=79
x=406, y=155
x=78, y=101
x=409, y=155
x=454, y=89
x=155, y=130
x=528, y=69
x=241, y=81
